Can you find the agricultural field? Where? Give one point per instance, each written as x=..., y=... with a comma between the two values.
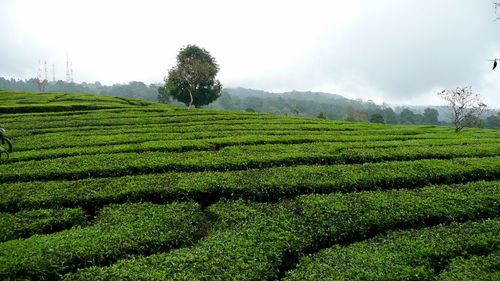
x=104, y=188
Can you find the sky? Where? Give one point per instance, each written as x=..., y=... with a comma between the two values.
x=394, y=51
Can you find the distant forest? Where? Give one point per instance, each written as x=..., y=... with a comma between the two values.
x=307, y=104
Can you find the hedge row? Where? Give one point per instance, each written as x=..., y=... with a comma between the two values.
x=20, y=102
x=55, y=107
x=138, y=112
x=264, y=185
x=477, y=268
x=184, y=145
x=26, y=223
x=79, y=139
x=102, y=117
x=367, y=213
x=76, y=122
x=262, y=125
x=226, y=159
x=405, y=255
x=130, y=112
x=119, y=230
x=260, y=241
x=121, y=111
x=235, y=125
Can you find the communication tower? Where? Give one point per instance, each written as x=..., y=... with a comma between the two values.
x=68, y=76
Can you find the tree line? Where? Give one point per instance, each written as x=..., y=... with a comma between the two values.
x=132, y=89
x=307, y=104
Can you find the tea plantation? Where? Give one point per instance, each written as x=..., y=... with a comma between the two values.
x=105, y=188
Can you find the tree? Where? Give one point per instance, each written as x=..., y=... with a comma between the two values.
x=389, y=115
x=465, y=106
x=407, y=116
x=6, y=145
x=377, y=118
x=295, y=110
x=493, y=121
x=356, y=115
x=192, y=81
x=431, y=116
x=163, y=95
x=321, y=115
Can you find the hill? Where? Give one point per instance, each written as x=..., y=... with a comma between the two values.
x=103, y=188
x=309, y=104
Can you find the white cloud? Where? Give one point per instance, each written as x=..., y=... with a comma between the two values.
x=396, y=51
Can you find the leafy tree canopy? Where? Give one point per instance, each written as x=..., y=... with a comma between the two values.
x=192, y=81
x=377, y=118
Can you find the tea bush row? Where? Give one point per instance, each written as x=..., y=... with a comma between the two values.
x=119, y=230
x=26, y=223
x=229, y=158
x=216, y=143
x=477, y=268
x=269, y=184
x=260, y=241
x=404, y=255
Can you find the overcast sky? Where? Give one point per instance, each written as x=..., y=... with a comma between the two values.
x=399, y=51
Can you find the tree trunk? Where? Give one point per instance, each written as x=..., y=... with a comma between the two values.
x=190, y=100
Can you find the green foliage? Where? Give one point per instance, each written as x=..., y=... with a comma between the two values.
x=25, y=102
x=493, y=121
x=231, y=158
x=163, y=95
x=404, y=255
x=407, y=117
x=479, y=268
x=77, y=196
x=118, y=231
x=322, y=115
x=356, y=115
x=295, y=110
x=192, y=80
x=27, y=223
x=250, y=241
x=377, y=118
x=246, y=243
x=431, y=116
x=133, y=89
x=265, y=184
x=341, y=218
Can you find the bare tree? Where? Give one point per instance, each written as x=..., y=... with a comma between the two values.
x=466, y=107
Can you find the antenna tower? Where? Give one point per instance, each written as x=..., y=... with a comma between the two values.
x=39, y=71
x=71, y=73
x=41, y=79
x=68, y=77
x=45, y=71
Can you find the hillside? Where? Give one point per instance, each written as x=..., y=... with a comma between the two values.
x=309, y=104
x=104, y=188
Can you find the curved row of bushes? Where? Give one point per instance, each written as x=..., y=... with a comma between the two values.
x=119, y=231
x=406, y=255
x=264, y=185
x=251, y=241
x=217, y=143
x=29, y=222
x=229, y=158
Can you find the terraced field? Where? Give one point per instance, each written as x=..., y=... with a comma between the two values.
x=103, y=188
